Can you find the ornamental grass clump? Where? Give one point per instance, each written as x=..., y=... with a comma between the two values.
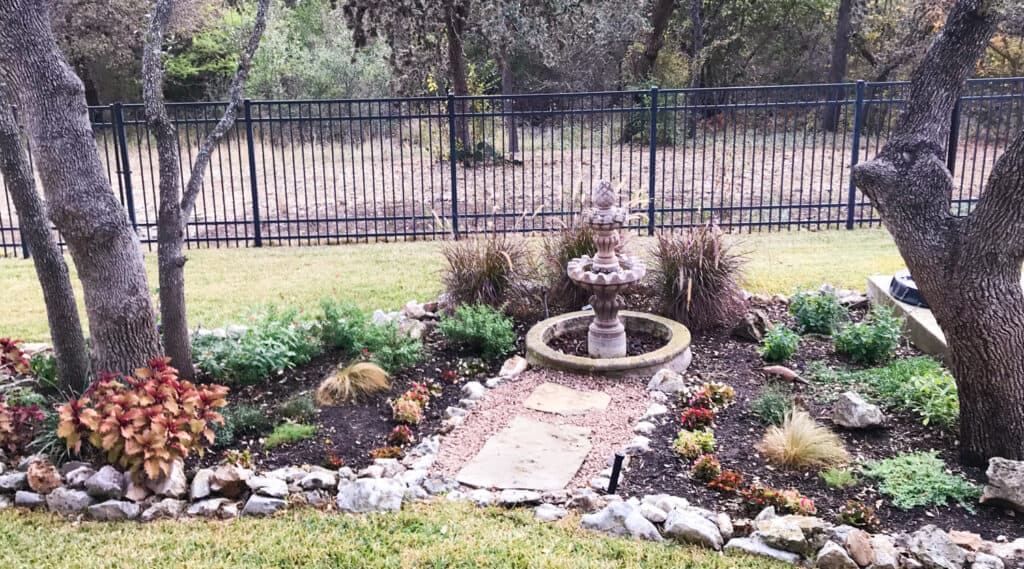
x=146, y=422
x=493, y=269
x=801, y=443
x=696, y=278
x=557, y=249
x=355, y=382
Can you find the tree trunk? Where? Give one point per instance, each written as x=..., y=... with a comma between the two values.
x=969, y=269
x=175, y=208
x=696, y=65
x=95, y=227
x=455, y=25
x=840, y=55
x=661, y=15
x=507, y=89
x=61, y=309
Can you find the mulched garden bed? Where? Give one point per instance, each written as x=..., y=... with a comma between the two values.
x=348, y=432
x=718, y=357
x=637, y=342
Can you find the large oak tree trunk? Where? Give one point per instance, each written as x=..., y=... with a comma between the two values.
x=52, y=271
x=508, y=89
x=661, y=15
x=455, y=26
x=101, y=241
x=969, y=269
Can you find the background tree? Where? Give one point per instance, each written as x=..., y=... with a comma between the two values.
x=968, y=268
x=61, y=308
x=176, y=208
x=81, y=203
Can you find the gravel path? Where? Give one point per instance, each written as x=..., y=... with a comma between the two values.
x=611, y=429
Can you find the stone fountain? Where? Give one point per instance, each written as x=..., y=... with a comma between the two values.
x=606, y=275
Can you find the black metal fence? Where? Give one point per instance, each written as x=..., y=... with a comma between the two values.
x=321, y=172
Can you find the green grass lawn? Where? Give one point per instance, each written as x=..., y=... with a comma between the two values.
x=436, y=535
x=222, y=283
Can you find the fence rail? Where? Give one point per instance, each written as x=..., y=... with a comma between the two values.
x=329, y=171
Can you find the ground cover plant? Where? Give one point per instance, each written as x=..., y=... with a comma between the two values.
x=920, y=479
x=839, y=477
x=288, y=433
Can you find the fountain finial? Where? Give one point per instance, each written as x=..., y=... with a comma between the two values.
x=603, y=195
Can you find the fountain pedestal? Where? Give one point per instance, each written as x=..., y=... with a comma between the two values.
x=606, y=336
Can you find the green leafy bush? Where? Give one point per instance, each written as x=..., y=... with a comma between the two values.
x=299, y=408
x=817, y=312
x=389, y=348
x=779, y=344
x=43, y=366
x=696, y=278
x=839, y=478
x=240, y=420
x=917, y=385
x=772, y=405
x=872, y=341
x=481, y=329
x=288, y=433
x=921, y=479
x=343, y=326
x=277, y=341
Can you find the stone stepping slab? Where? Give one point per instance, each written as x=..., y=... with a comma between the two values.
x=561, y=400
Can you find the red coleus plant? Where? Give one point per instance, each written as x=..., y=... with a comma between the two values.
x=146, y=422
x=696, y=418
x=728, y=481
x=18, y=425
x=13, y=360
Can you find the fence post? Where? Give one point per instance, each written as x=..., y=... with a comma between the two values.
x=257, y=235
x=954, y=137
x=453, y=162
x=652, y=154
x=117, y=122
x=858, y=118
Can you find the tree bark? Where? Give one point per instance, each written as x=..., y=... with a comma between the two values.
x=61, y=308
x=969, y=269
x=455, y=24
x=82, y=206
x=174, y=215
x=508, y=89
x=661, y=15
x=697, y=66
x=840, y=56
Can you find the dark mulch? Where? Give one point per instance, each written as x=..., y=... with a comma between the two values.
x=637, y=342
x=347, y=432
x=717, y=357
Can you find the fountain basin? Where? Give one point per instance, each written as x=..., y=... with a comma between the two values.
x=675, y=354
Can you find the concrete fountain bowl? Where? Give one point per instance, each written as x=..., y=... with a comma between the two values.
x=675, y=354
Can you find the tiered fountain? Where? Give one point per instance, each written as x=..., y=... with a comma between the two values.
x=606, y=275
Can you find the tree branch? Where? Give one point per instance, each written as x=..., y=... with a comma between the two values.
x=195, y=181
x=1000, y=210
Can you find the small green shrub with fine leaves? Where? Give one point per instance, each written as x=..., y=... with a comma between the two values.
x=920, y=479
x=240, y=420
x=817, y=312
x=481, y=329
x=299, y=408
x=288, y=433
x=772, y=405
x=779, y=344
x=872, y=341
x=343, y=326
x=839, y=478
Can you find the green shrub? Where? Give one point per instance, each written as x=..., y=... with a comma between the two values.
x=278, y=340
x=696, y=278
x=481, y=329
x=779, y=344
x=240, y=420
x=772, y=405
x=839, y=478
x=288, y=433
x=345, y=327
x=872, y=341
x=921, y=479
x=917, y=385
x=24, y=397
x=817, y=312
x=43, y=366
x=299, y=408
